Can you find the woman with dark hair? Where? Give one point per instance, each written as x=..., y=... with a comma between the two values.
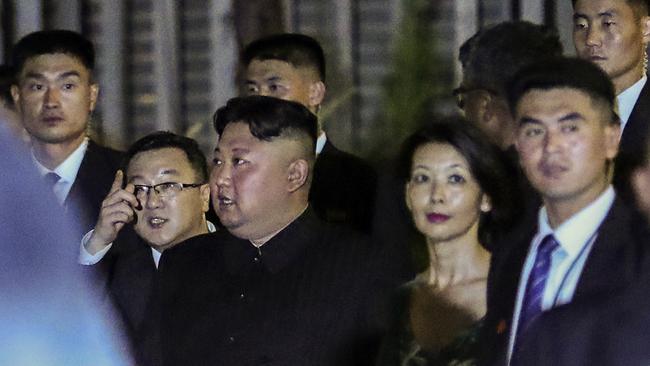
x=458, y=194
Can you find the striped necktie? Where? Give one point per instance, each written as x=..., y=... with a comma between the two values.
x=531, y=306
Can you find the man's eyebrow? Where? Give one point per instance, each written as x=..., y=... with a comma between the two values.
x=573, y=116
x=38, y=75
x=528, y=120
x=68, y=74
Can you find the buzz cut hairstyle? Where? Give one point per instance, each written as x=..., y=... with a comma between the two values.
x=269, y=118
x=165, y=139
x=564, y=72
x=299, y=50
x=52, y=42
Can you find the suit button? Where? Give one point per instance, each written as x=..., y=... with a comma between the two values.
x=242, y=296
x=231, y=339
x=256, y=259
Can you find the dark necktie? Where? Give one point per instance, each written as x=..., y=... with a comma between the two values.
x=50, y=180
x=531, y=306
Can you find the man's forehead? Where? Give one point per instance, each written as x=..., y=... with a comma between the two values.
x=277, y=67
x=556, y=100
x=53, y=63
x=603, y=7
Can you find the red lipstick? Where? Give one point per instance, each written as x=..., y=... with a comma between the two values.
x=437, y=218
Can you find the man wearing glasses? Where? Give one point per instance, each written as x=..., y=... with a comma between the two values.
x=163, y=197
x=489, y=59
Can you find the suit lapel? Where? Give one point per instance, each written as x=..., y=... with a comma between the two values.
x=612, y=262
x=633, y=137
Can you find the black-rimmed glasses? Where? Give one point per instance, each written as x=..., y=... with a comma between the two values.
x=166, y=189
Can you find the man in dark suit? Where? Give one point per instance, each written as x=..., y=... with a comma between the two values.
x=55, y=95
x=281, y=287
x=292, y=67
x=614, y=35
x=585, y=242
x=612, y=331
x=164, y=198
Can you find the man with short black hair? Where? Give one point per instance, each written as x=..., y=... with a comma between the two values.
x=281, y=286
x=585, y=242
x=162, y=194
x=292, y=67
x=55, y=94
x=614, y=34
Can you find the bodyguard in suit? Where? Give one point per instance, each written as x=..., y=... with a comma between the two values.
x=292, y=67
x=614, y=34
x=279, y=285
x=585, y=243
x=162, y=197
x=612, y=331
x=55, y=94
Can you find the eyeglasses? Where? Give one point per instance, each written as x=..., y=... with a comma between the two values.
x=166, y=189
x=460, y=92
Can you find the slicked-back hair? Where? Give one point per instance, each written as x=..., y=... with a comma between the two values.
x=165, y=139
x=498, y=52
x=269, y=118
x=564, y=72
x=298, y=50
x=52, y=42
x=6, y=80
x=487, y=165
x=643, y=6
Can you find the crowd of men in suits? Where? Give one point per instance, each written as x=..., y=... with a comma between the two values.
x=288, y=274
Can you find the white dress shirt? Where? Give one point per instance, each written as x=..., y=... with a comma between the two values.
x=88, y=259
x=67, y=170
x=320, y=142
x=576, y=237
x=627, y=100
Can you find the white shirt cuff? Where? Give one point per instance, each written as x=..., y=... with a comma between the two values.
x=88, y=259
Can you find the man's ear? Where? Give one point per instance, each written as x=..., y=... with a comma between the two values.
x=612, y=140
x=15, y=95
x=94, y=93
x=645, y=23
x=316, y=93
x=297, y=174
x=205, y=197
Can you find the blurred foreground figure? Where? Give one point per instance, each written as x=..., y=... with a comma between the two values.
x=48, y=315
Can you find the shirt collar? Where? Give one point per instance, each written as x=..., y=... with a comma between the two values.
x=68, y=169
x=626, y=100
x=576, y=232
x=156, y=254
x=320, y=142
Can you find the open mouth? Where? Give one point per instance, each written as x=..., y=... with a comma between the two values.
x=156, y=222
x=225, y=201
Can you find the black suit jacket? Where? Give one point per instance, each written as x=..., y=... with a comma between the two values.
x=92, y=184
x=632, y=146
x=343, y=189
x=612, y=331
x=129, y=275
x=301, y=299
x=616, y=260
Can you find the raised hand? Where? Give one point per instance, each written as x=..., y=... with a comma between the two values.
x=117, y=210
